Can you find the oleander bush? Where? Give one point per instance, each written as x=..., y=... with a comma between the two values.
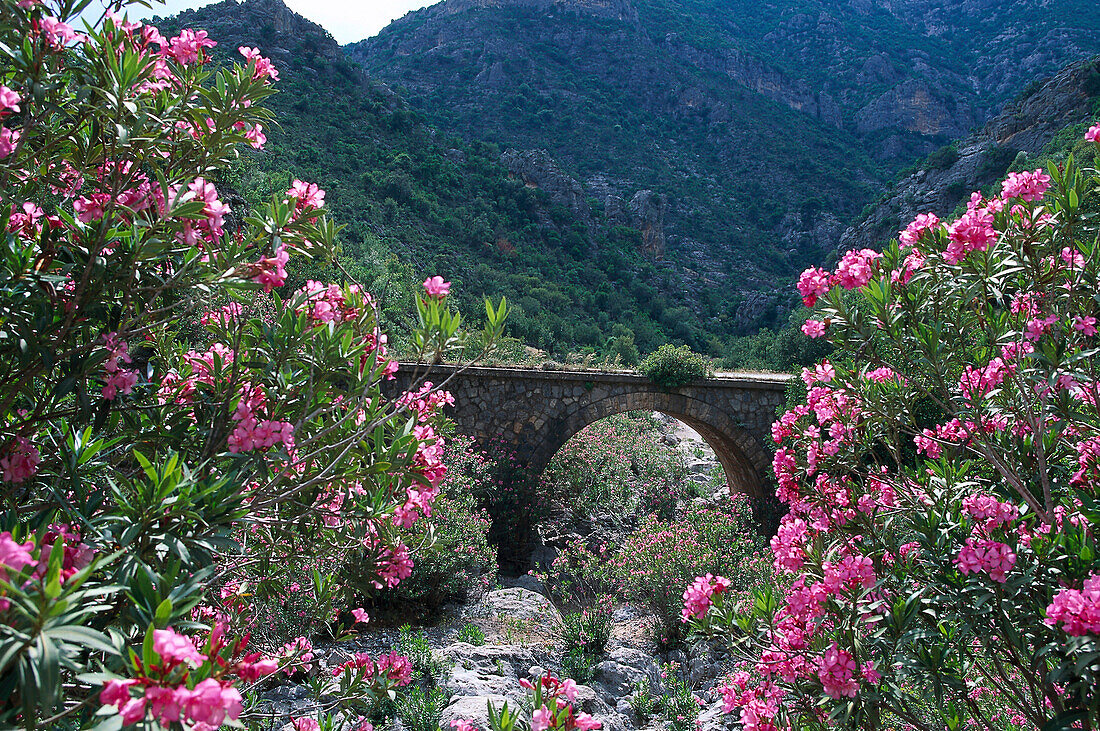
x=655, y=562
x=615, y=468
x=450, y=547
x=187, y=450
x=940, y=557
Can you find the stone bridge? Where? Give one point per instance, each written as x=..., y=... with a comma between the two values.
x=536, y=411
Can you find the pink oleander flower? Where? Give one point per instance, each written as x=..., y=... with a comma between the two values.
x=211, y=702
x=983, y=555
x=264, y=68
x=271, y=270
x=361, y=616
x=973, y=231
x=813, y=283
x=306, y=195
x=1027, y=186
x=8, y=140
x=813, y=328
x=256, y=137
x=186, y=48
x=436, y=287
x=836, y=671
x=461, y=724
x=585, y=722
x=855, y=268
x=1086, y=325
x=541, y=719
x=14, y=556
x=116, y=692
x=698, y=596
x=306, y=724
x=174, y=648
x=913, y=232
x=9, y=99
x=20, y=461
x=1093, y=135
x=1078, y=610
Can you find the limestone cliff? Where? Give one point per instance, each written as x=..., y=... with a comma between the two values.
x=1026, y=125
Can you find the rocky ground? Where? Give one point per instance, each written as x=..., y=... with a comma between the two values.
x=522, y=630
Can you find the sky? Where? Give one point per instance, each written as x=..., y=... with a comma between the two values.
x=346, y=20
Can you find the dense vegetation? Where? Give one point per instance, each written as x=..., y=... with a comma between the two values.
x=414, y=199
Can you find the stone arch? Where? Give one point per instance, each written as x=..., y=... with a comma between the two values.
x=740, y=454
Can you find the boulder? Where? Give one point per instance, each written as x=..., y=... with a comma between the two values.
x=520, y=603
x=473, y=709
x=616, y=676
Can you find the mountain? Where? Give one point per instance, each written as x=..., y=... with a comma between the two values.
x=1053, y=113
x=416, y=201
x=621, y=169
x=762, y=127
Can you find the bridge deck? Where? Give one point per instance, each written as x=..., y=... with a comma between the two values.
x=739, y=379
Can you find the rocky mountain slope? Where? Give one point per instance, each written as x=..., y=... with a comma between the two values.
x=760, y=128
x=1022, y=131
x=417, y=201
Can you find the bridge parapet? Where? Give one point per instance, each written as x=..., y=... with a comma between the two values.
x=536, y=411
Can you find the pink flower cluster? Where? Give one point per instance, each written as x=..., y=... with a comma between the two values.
x=436, y=288
x=989, y=512
x=1093, y=135
x=1077, y=610
x=307, y=197
x=270, y=271
x=973, y=231
x=982, y=555
x=211, y=227
x=912, y=234
x=699, y=596
x=554, y=699
x=119, y=379
x=393, y=670
x=252, y=433
x=169, y=700
x=837, y=673
x=327, y=303
x=14, y=556
x=20, y=461
x=263, y=68
x=1027, y=186
x=856, y=268
x=223, y=316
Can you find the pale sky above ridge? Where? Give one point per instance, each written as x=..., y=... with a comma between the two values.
x=347, y=20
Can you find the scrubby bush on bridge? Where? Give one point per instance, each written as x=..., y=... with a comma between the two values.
x=164, y=499
x=940, y=552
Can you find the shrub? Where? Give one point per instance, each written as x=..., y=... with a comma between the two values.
x=179, y=446
x=471, y=634
x=643, y=702
x=679, y=706
x=420, y=708
x=452, y=559
x=590, y=629
x=658, y=560
x=579, y=576
x=415, y=646
x=942, y=567
x=578, y=665
x=671, y=367
x=616, y=468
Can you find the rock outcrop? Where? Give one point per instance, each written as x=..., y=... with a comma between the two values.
x=944, y=180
